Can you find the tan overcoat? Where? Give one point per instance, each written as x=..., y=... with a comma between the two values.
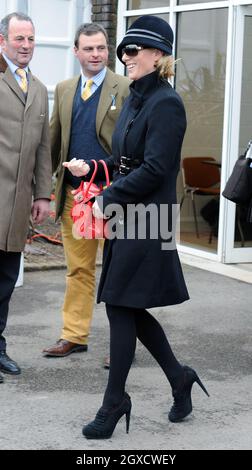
x=60, y=124
x=25, y=160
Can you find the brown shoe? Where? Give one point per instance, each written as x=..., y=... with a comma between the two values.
x=63, y=348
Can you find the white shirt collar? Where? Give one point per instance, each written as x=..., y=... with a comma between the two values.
x=97, y=79
x=13, y=67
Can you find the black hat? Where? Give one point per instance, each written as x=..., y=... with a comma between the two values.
x=151, y=31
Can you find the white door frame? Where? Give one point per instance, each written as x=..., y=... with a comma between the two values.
x=229, y=253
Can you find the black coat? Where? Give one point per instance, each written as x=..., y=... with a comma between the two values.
x=150, y=130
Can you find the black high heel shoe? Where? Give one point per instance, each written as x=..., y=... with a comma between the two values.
x=106, y=420
x=182, y=405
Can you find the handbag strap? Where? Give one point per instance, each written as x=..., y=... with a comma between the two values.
x=92, y=177
x=105, y=171
x=94, y=174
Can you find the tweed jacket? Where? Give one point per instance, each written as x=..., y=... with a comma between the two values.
x=60, y=124
x=25, y=160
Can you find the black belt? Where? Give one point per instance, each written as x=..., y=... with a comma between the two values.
x=128, y=164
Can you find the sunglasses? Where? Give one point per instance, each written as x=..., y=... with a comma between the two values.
x=131, y=50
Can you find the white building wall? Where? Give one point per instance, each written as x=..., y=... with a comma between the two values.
x=55, y=24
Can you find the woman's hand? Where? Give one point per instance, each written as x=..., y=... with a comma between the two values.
x=77, y=167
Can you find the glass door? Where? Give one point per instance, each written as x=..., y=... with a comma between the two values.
x=200, y=81
x=237, y=241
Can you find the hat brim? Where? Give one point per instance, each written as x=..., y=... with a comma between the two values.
x=145, y=42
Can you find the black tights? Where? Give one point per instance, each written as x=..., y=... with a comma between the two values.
x=126, y=325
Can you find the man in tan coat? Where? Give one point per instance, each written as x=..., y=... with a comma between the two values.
x=25, y=161
x=85, y=111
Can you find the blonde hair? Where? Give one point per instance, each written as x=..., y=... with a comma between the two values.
x=165, y=66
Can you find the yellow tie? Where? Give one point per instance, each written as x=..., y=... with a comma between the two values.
x=87, y=90
x=23, y=83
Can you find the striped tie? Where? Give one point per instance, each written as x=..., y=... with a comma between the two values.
x=23, y=83
x=87, y=90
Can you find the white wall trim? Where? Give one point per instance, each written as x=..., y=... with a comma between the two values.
x=87, y=11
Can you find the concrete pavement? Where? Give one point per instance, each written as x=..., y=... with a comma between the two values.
x=46, y=406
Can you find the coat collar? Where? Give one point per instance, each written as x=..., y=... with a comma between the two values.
x=12, y=83
x=142, y=88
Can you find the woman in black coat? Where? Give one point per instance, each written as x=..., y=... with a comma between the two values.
x=142, y=270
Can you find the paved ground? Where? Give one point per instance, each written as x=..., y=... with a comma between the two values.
x=47, y=405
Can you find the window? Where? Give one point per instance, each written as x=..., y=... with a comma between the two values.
x=137, y=4
x=200, y=78
x=200, y=81
x=131, y=19
x=189, y=2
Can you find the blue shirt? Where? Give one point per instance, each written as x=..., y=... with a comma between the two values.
x=97, y=80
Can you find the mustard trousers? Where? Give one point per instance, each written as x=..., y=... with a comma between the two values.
x=80, y=279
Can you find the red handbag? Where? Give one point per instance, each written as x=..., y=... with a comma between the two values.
x=85, y=225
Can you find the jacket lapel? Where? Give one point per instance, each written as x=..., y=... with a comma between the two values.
x=67, y=109
x=13, y=84
x=109, y=90
x=31, y=91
